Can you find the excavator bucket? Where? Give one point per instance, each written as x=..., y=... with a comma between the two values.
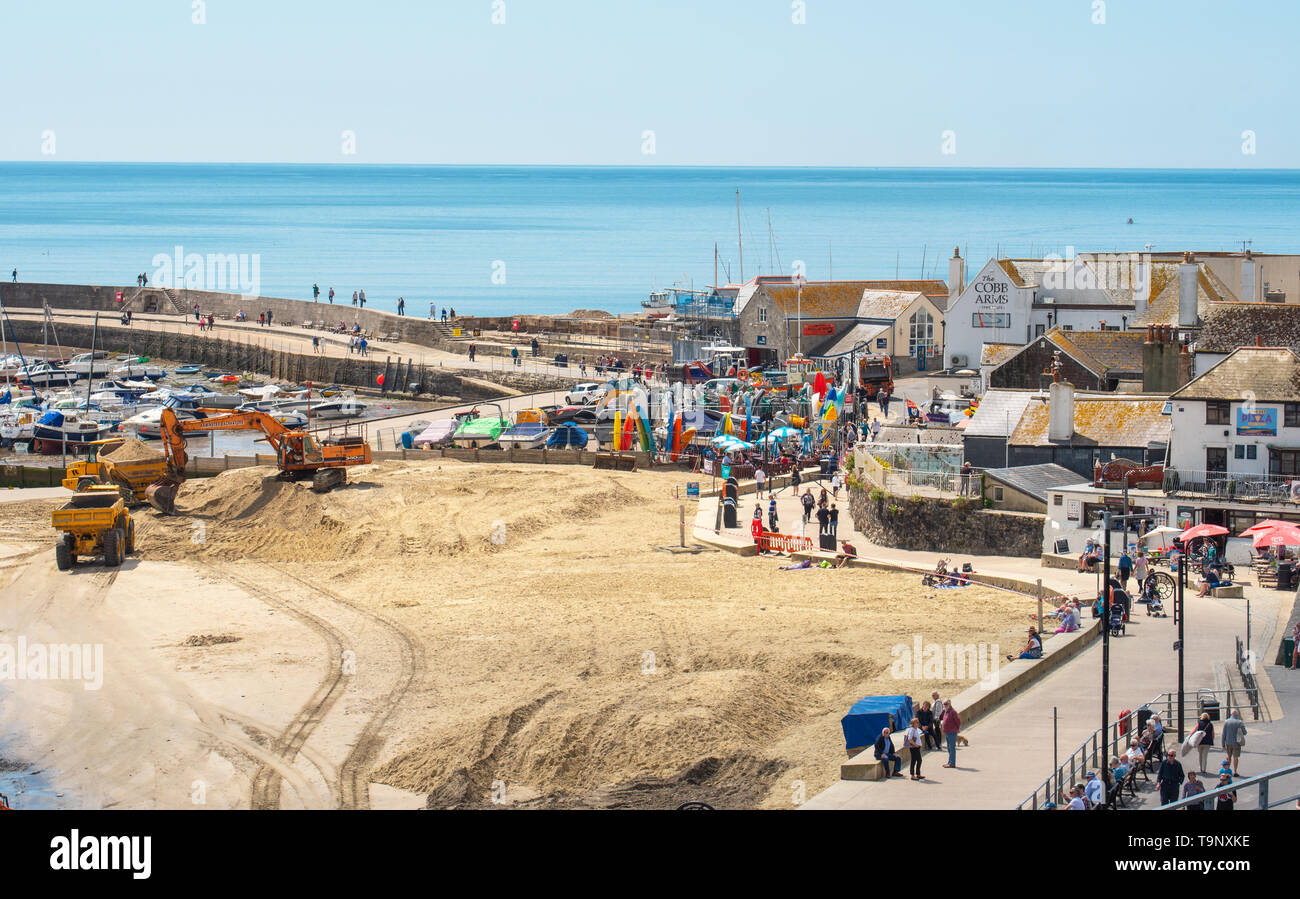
x=161, y=494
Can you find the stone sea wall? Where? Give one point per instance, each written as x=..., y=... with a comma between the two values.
x=960, y=527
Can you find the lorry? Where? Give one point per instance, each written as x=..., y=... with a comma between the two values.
x=875, y=373
x=94, y=522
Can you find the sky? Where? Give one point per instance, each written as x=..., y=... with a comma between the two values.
x=1043, y=83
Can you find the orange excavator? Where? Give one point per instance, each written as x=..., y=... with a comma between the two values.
x=298, y=454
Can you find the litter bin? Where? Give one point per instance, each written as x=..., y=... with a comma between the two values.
x=826, y=463
x=561, y=360
x=1288, y=651
x=1208, y=702
x=1285, y=572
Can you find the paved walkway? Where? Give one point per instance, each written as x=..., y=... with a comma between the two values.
x=1011, y=749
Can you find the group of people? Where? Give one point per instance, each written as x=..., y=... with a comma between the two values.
x=141, y=280
x=359, y=345
x=936, y=724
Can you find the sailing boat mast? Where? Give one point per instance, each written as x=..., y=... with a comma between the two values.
x=771, y=265
x=740, y=243
x=715, y=263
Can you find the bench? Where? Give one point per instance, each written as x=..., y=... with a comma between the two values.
x=1233, y=592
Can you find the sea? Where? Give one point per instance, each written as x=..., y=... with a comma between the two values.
x=553, y=239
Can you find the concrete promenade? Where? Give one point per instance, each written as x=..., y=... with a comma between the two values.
x=1011, y=749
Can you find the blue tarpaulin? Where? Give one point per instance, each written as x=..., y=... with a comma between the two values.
x=872, y=714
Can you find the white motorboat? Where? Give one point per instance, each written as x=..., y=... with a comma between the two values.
x=18, y=424
x=269, y=393
x=529, y=430
x=337, y=407
x=89, y=365
x=147, y=425
x=43, y=374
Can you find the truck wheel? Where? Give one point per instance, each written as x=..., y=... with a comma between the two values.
x=63, y=557
x=130, y=538
x=113, y=548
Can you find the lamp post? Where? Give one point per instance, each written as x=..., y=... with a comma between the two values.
x=799, y=281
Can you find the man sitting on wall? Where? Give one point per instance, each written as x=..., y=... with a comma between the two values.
x=1091, y=556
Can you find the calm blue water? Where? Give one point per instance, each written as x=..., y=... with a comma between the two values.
x=573, y=237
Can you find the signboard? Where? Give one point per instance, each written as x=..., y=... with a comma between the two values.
x=762, y=340
x=819, y=329
x=1073, y=508
x=991, y=320
x=1257, y=422
x=692, y=488
x=455, y=332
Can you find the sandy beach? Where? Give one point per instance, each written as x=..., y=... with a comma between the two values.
x=455, y=635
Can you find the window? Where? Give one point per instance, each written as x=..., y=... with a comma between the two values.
x=1218, y=412
x=1038, y=330
x=1216, y=458
x=1244, y=451
x=1056, y=499
x=920, y=333
x=997, y=494
x=1284, y=462
x=1291, y=415
x=1067, y=327
x=762, y=314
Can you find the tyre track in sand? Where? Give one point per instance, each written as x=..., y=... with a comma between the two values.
x=267, y=781
x=354, y=773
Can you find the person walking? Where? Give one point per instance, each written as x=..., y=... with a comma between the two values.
x=1234, y=738
x=950, y=721
x=808, y=504
x=15, y=276
x=365, y=347
x=471, y=352
x=966, y=473
x=331, y=296
x=401, y=306
x=514, y=355
x=315, y=293
x=835, y=484
x=1125, y=566
x=760, y=477
x=354, y=298
x=270, y=315
x=1141, y=568
x=771, y=515
x=796, y=478
x=1170, y=777
x=1203, y=746
x=936, y=713
x=363, y=299
x=912, y=738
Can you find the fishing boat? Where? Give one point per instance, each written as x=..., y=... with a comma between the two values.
x=208, y=398
x=529, y=430
x=55, y=429
x=567, y=436
x=290, y=418
x=147, y=424
x=188, y=369
x=266, y=393
x=441, y=431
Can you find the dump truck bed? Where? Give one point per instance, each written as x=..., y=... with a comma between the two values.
x=88, y=512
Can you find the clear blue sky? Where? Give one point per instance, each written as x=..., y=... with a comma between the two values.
x=1163, y=83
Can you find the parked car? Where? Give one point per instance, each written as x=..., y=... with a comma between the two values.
x=581, y=394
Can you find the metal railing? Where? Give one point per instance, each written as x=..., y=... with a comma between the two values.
x=1088, y=755
x=1230, y=485
x=1260, y=781
x=1246, y=668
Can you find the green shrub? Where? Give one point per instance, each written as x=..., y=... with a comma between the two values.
x=894, y=509
x=918, y=498
x=876, y=495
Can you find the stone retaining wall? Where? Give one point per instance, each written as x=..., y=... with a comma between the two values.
x=944, y=526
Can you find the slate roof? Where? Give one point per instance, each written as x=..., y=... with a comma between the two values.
x=1162, y=305
x=1104, y=352
x=999, y=412
x=1265, y=374
x=1035, y=480
x=1231, y=325
x=1098, y=421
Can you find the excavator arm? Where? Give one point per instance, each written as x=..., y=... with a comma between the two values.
x=162, y=493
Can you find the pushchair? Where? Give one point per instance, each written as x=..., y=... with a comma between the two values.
x=1151, y=596
x=1116, y=620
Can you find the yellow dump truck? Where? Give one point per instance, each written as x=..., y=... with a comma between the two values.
x=94, y=522
x=133, y=477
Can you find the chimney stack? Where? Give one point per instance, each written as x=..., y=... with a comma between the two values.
x=1060, y=411
x=1249, y=272
x=956, y=274
x=1188, y=275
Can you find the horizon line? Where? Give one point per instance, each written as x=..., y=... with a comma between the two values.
x=613, y=165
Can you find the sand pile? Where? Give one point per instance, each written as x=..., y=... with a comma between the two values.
x=133, y=449
x=385, y=511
